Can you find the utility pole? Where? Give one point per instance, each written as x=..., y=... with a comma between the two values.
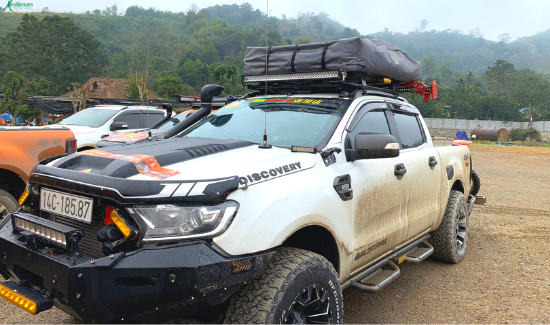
x=530, y=115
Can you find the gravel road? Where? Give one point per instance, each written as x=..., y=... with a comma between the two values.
x=503, y=279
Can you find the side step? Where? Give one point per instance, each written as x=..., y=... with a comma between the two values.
x=419, y=253
x=379, y=278
x=383, y=272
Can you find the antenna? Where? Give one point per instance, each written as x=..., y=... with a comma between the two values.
x=264, y=144
x=147, y=90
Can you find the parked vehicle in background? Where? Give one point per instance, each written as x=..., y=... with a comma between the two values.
x=97, y=122
x=157, y=132
x=21, y=148
x=162, y=128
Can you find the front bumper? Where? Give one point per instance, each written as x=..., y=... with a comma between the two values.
x=149, y=282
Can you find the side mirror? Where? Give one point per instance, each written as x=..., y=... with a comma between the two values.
x=115, y=126
x=373, y=146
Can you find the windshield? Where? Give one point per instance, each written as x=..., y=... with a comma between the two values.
x=92, y=117
x=290, y=121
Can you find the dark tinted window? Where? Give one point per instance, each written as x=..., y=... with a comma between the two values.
x=373, y=122
x=132, y=119
x=150, y=119
x=409, y=130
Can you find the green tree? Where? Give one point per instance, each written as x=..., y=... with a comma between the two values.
x=55, y=48
x=210, y=54
x=13, y=88
x=302, y=41
x=194, y=73
x=427, y=66
x=38, y=87
x=169, y=85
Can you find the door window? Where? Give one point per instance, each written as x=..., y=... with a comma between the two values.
x=409, y=130
x=149, y=119
x=372, y=122
x=131, y=119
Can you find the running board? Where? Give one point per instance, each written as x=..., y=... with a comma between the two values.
x=419, y=253
x=385, y=264
x=378, y=279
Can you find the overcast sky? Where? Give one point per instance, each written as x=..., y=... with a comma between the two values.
x=493, y=17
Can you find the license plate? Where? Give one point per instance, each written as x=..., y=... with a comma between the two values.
x=67, y=205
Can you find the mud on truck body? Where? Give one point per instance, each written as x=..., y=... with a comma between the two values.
x=259, y=224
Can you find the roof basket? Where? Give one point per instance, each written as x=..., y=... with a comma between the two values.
x=336, y=82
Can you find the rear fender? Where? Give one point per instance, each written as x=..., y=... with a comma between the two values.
x=456, y=170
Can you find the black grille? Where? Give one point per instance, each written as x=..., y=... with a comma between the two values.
x=89, y=246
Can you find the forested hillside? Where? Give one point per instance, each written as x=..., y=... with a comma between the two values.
x=180, y=52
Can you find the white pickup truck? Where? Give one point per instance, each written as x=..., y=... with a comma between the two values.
x=262, y=212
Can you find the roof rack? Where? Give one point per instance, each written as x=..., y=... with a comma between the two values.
x=337, y=81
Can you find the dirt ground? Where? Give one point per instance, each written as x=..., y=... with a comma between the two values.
x=503, y=279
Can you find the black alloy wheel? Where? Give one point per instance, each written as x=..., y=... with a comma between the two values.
x=311, y=306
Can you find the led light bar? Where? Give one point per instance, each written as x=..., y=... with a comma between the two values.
x=337, y=75
x=52, y=235
x=24, y=298
x=52, y=232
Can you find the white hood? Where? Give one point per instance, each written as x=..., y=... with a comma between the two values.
x=251, y=163
x=78, y=129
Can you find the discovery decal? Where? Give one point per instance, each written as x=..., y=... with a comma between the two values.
x=274, y=172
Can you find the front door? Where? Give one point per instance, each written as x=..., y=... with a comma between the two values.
x=379, y=202
x=130, y=118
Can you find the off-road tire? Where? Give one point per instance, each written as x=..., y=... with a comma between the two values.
x=7, y=204
x=445, y=239
x=273, y=292
x=476, y=183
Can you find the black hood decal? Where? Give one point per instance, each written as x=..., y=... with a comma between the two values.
x=166, y=152
x=107, y=177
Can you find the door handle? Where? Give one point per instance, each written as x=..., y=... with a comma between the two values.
x=400, y=171
x=432, y=162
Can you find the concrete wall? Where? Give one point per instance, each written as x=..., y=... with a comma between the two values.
x=440, y=127
x=469, y=125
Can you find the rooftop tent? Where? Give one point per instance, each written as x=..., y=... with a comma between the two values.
x=368, y=57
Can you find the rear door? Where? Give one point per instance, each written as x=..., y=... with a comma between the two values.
x=379, y=204
x=421, y=161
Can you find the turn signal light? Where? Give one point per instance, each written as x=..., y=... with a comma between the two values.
x=20, y=301
x=23, y=196
x=387, y=80
x=112, y=217
x=71, y=146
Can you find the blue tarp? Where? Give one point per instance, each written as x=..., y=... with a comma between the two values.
x=462, y=135
x=7, y=116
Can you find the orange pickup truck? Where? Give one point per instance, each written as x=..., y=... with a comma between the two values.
x=21, y=148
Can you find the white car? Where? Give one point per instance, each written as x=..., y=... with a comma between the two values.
x=92, y=124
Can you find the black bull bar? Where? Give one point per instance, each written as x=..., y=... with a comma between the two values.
x=152, y=281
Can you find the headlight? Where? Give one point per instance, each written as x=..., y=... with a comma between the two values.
x=173, y=222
